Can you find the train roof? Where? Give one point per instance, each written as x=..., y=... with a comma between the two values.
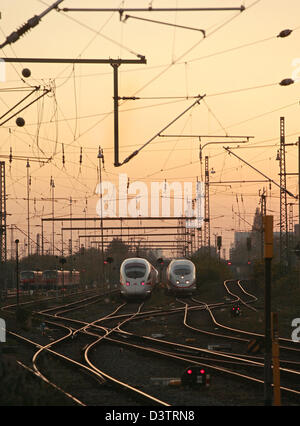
x=135, y=260
x=175, y=262
x=182, y=260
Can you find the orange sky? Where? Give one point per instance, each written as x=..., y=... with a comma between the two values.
x=241, y=51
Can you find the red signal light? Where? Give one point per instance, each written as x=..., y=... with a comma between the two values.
x=189, y=371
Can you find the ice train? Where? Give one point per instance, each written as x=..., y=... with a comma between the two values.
x=181, y=277
x=137, y=278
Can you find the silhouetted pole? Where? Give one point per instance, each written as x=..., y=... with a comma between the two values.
x=101, y=158
x=268, y=255
x=17, y=269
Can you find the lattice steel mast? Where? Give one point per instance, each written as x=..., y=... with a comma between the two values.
x=3, y=251
x=284, y=242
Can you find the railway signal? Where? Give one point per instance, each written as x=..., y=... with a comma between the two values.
x=236, y=311
x=195, y=376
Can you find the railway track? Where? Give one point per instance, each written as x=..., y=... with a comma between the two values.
x=109, y=331
x=87, y=366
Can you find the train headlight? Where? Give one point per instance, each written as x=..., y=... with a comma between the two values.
x=177, y=282
x=187, y=282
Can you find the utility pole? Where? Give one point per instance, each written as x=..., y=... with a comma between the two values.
x=116, y=113
x=52, y=186
x=115, y=63
x=17, y=270
x=28, y=212
x=3, y=247
x=268, y=255
x=298, y=188
x=284, y=243
x=101, y=157
x=70, y=241
x=3, y=214
x=298, y=236
x=206, y=209
x=263, y=212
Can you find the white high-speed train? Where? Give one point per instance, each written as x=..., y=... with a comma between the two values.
x=181, y=276
x=137, y=278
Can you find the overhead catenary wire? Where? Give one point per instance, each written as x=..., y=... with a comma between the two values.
x=153, y=142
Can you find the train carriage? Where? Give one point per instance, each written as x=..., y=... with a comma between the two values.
x=137, y=278
x=181, y=277
x=30, y=280
x=56, y=279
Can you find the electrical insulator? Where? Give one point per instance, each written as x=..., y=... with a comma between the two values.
x=63, y=154
x=284, y=33
x=80, y=158
x=286, y=82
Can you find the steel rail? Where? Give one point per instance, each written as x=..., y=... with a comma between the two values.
x=113, y=380
x=233, y=358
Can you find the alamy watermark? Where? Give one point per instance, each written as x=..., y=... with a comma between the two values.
x=2, y=70
x=296, y=71
x=2, y=330
x=158, y=199
x=296, y=333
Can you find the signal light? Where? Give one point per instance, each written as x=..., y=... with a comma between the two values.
x=236, y=311
x=195, y=376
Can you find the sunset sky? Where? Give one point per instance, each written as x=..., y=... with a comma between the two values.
x=238, y=66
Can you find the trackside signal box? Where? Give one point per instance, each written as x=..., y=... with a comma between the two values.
x=195, y=375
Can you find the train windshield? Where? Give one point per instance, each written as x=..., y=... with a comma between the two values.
x=183, y=270
x=27, y=275
x=135, y=270
x=50, y=274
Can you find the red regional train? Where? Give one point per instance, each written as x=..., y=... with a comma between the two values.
x=51, y=279
x=30, y=280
